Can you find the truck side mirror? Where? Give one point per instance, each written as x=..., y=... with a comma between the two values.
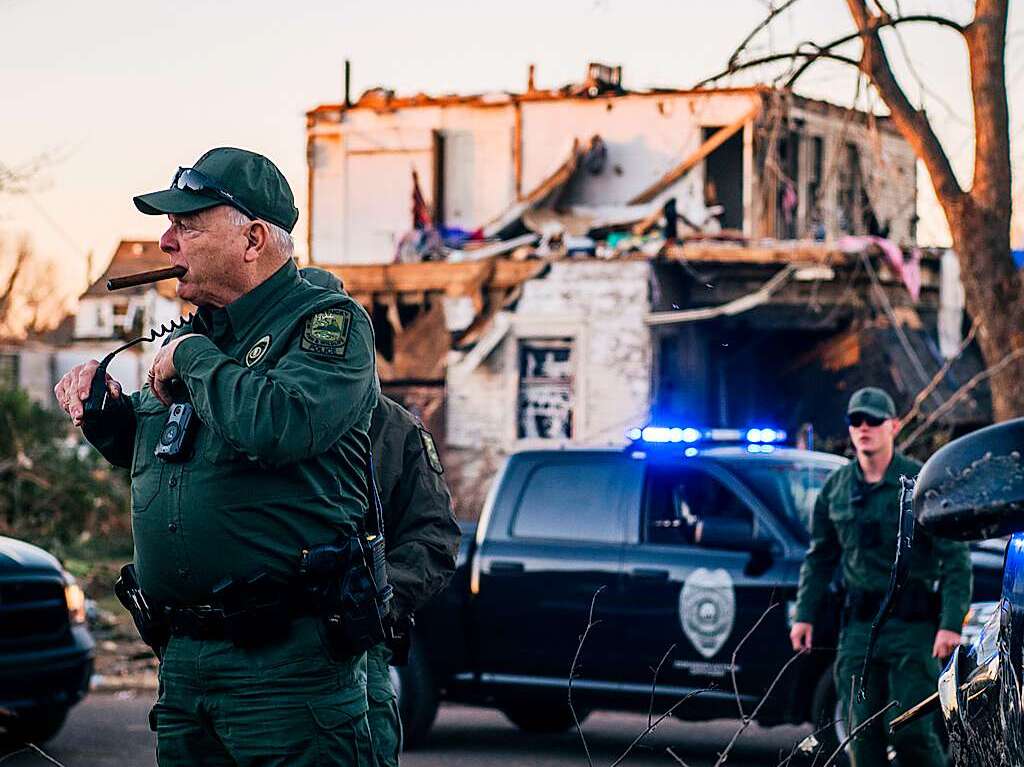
x=718, y=533
x=973, y=487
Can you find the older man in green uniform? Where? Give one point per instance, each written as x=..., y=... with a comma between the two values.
x=282, y=380
x=420, y=532
x=856, y=524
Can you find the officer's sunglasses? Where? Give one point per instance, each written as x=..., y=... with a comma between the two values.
x=856, y=419
x=191, y=180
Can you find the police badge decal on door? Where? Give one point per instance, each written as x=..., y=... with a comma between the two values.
x=707, y=609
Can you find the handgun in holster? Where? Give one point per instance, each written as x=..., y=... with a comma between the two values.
x=349, y=580
x=148, y=621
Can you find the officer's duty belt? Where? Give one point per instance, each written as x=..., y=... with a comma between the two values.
x=916, y=603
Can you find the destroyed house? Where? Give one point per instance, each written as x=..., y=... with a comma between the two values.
x=556, y=267
x=759, y=162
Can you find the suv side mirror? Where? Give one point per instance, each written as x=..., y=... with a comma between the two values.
x=973, y=488
x=718, y=533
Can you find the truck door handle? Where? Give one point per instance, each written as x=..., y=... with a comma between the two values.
x=650, y=574
x=506, y=568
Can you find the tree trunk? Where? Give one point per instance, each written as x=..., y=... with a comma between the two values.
x=994, y=295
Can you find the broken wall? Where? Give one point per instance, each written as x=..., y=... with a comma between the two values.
x=475, y=160
x=844, y=168
x=574, y=343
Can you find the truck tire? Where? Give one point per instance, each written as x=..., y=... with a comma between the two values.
x=417, y=698
x=829, y=719
x=542, y=717
x=35, y=727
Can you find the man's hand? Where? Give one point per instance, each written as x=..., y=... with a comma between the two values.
x=73, y=389
x=800, y=636
x=162, y=371
x=945, y=643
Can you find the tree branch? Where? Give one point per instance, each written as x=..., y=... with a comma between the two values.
x=855, y=732
x=910, y=122
x=572, y=672
x=757, y=709
x=915, y=408
x=959, y=394
x=739, y=646
x=654, y=683
x=756, y=30
x=735, y=67
x=986, y=48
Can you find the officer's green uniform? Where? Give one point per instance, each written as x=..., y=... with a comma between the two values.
x=420, y=532
x=284, y=384
x=861, y=535
x=422, y=539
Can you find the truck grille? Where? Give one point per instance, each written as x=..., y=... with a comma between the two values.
x=33, y=613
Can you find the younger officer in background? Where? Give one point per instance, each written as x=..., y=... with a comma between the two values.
x=856, y=524
x=420, y=533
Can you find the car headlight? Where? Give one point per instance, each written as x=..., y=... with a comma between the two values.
x=75, y=598
x=979, y=614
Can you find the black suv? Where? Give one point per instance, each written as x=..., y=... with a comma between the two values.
x=46, y=652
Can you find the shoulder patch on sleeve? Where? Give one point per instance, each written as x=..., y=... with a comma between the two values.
x=326, y=333
x=430, y=449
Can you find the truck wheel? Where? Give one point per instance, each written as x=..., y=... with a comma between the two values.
x=542, y=718
x=417, y=698
x=34, y=726
x=829, y=719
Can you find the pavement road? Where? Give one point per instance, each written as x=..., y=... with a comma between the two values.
x=110, y=729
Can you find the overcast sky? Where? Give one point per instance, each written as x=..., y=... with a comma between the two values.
x=122, y=93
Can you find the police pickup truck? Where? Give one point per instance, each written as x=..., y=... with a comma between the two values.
x=684, y=542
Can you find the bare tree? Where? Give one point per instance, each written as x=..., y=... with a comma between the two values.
x=979, y=216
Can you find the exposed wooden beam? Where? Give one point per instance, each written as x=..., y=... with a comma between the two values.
x=714, y=141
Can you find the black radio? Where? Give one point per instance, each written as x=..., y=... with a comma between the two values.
x=176, y=440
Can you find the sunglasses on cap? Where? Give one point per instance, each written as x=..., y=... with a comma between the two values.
x=191, y=180
x=856, y=419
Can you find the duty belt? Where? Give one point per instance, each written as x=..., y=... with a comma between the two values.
x=917, y=603
x=246, y=612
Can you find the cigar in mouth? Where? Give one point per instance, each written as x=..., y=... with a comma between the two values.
x=144, y=278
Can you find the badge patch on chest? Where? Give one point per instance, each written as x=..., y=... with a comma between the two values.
x=707, y=609
x=326, y=333
x=430, y=449
x=256, y=351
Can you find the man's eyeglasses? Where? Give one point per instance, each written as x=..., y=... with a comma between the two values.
x=190, y=179
x=856, y=419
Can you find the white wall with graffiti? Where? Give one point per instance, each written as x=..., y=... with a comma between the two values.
x=570, y=364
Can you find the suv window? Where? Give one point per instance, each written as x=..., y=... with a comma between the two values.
x=679, y=500
x=571, y=500
x=788, y=487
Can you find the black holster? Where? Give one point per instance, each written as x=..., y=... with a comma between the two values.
x=149, y=621
x=916, y=603
x=399, y=640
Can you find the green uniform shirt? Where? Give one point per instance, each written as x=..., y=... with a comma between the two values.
x=420, y=531
x=283, y=383
x=862, y=537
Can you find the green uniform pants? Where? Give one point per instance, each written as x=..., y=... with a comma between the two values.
x=383, y=715
x=287, y=703
x=905, y=671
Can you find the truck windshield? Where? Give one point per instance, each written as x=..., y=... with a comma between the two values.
x=789, y=488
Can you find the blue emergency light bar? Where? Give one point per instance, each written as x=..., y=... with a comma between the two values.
x=760, y=437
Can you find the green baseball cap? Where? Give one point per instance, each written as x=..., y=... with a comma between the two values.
x=244, y=180
x=873, y=401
